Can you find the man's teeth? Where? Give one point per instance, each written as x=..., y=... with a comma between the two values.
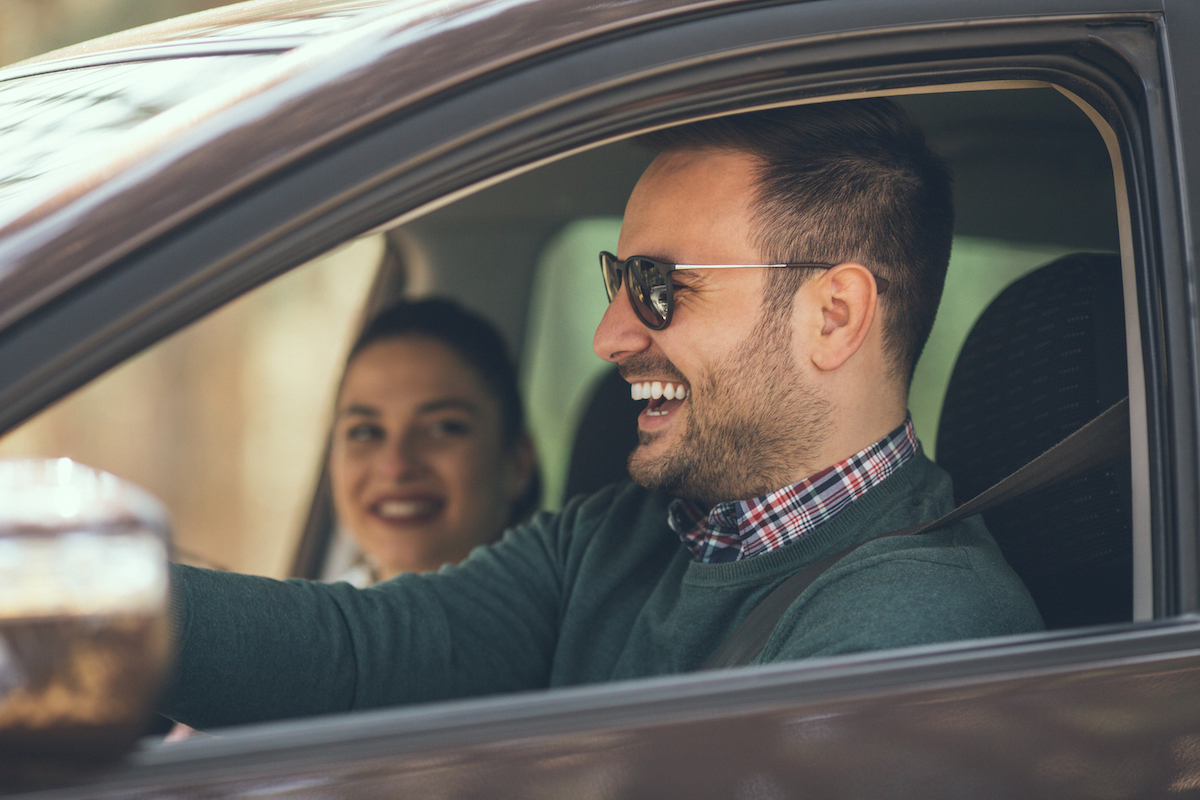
x=653, y=390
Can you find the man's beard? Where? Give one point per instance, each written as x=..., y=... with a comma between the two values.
x=752, y=422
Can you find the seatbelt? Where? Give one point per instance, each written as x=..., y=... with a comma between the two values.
x=1103, y=441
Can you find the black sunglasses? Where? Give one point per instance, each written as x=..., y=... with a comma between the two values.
x=649, y=283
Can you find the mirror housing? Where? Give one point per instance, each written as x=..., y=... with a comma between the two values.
x=84, y=629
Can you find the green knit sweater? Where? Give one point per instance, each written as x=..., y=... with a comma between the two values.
x=602, y=591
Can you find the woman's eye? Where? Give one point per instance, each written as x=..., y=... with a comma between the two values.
x=364, y=432
x=448, y=427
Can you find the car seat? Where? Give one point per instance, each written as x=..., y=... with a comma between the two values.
x=1045, y=357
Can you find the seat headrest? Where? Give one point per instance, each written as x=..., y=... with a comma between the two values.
x=1044, y=358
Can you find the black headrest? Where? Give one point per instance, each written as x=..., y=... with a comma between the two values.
x=606, y=435
x=1043, y=359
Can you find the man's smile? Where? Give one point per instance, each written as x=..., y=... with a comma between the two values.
x=653, y=390
x=664, y=396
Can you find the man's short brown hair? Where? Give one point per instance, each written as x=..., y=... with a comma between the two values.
x=851, y=180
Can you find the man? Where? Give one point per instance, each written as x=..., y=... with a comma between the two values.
x=777, y=276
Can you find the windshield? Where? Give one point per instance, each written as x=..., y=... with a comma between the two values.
x=55, y=123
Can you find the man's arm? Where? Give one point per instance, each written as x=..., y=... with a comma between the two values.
x=253, y=649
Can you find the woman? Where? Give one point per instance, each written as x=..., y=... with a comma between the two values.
x=430, y=456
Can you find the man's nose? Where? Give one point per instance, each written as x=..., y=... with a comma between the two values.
x=620, y=333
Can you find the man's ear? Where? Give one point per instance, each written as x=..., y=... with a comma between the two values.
x=848, y=301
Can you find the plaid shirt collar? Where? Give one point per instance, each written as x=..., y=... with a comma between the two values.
x=741, y=529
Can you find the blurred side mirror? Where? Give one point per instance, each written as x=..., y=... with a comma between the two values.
x=84, y=634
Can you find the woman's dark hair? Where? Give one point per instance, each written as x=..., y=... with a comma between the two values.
x=481, y=346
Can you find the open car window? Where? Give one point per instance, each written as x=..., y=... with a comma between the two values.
x=224, y=420
x=238, y=405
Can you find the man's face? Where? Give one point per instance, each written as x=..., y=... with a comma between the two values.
x=750, y=418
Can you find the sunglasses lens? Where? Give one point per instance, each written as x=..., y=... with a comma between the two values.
x=612, y=275
x=651, y=292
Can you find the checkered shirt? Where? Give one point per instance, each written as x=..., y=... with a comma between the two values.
x=744, y=528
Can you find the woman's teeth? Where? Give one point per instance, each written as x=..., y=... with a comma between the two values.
x=404, y=509
x=654, y=390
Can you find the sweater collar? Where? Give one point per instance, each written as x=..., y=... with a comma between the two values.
x=740, y=529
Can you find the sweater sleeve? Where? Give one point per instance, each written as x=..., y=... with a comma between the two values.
x=252, y=649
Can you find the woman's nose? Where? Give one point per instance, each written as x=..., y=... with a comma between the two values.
x=401, y=459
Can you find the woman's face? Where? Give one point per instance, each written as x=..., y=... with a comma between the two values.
x=419, y=468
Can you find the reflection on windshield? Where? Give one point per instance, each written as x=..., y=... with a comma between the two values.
x=53, y=124
x=307, y=19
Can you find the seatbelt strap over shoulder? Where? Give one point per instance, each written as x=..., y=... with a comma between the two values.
x=1103, y=441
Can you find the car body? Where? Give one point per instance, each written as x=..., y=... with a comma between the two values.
x=467, y=128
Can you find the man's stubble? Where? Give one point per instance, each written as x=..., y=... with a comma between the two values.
x=751, y=421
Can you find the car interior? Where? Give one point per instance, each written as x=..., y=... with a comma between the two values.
x=1019, y=143
x=228, y=419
